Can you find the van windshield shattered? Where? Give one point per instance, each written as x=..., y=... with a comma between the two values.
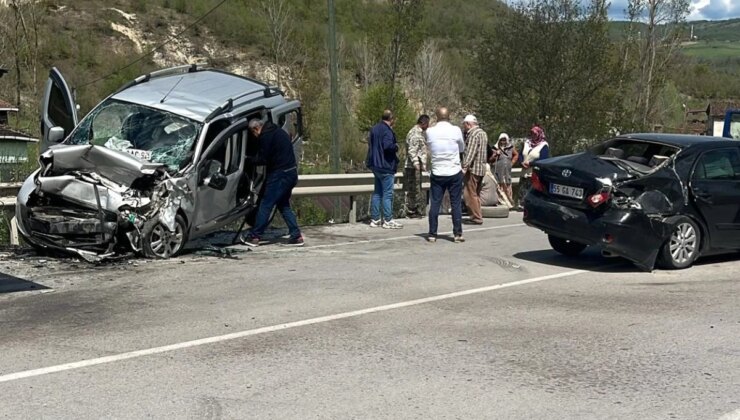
x=149, y=134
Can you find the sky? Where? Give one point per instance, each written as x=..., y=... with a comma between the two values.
x=700, y=9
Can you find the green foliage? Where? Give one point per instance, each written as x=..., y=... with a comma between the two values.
x=713, y=50
x=309, y=213
x=550, y=62
x=373, y=103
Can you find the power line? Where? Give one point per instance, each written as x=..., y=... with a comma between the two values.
x=167, y=41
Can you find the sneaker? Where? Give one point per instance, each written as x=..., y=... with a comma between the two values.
x=459, y=239
x=375, y=223
x=392, y=224
x=431, y=239
x=250, y=240
x=296, y=241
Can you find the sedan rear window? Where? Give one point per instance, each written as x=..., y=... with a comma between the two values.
x=643, y=153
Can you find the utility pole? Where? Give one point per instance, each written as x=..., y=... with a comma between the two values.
x=333, y=70
x=334, y=87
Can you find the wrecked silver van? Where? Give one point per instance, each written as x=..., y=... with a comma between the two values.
x=161, y=161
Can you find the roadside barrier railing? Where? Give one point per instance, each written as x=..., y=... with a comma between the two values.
x=323, y=185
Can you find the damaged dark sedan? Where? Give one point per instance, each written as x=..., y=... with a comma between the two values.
x=163, y=160
x=660, y=199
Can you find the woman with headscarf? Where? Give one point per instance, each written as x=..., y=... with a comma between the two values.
x=504, y=155
x=534, y=149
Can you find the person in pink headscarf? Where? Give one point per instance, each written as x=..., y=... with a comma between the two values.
x=534, y=149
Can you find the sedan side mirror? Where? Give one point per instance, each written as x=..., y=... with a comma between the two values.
x=56, y=134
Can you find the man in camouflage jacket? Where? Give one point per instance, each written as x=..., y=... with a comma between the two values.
x=416, y=162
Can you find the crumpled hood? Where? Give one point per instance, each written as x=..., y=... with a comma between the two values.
x=119, y=167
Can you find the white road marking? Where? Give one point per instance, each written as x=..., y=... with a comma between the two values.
x=733, y=415
x=273, y=328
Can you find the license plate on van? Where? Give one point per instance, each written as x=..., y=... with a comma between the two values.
x=566, y=191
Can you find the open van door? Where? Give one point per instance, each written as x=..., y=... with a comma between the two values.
x=289, y=117
x=58, y=111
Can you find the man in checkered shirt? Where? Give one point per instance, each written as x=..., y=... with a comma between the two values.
x=474, y=167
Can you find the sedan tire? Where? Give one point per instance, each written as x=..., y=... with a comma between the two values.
x=565, y=246
x=682, y=247
x=159, y=243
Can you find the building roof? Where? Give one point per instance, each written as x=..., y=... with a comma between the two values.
x=718, y=108
x=9, y=133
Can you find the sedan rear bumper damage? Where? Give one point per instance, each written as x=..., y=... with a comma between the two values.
x=629, y=233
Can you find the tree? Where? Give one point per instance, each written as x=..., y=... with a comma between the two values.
x=397, y=34
x=373, y=103
x=655, y=46
x=280, y=28
x=433, y=80
x=19, y=31
x=552, y=62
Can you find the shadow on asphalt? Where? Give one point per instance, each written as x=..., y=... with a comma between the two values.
x=717, y=259
x=589, y=260
x=10, y=284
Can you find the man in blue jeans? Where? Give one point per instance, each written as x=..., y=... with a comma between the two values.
x=276, y=153
x=445, y=143
x=383, y=161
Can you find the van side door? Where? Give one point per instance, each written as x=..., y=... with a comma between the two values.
x=58, y=109
x=225, y=156
x=289, y=117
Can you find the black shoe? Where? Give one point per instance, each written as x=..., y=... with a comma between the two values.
x=296, y=241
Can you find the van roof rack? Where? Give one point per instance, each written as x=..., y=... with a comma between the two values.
x=187, y=68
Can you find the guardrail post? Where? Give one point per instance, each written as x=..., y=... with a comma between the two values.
x=352, y=209
x=14, y=240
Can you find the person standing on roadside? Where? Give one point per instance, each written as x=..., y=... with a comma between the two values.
x=445, y=144
x=416, y=163
x=534, y=149
x=502, y=159
x=276, y=153
x=474, y=167
x=382, y=159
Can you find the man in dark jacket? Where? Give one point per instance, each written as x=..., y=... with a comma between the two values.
x=276, y=153
x=383, y=161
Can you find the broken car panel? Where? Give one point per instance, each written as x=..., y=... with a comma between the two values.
x=642, y=197
x=159, y=162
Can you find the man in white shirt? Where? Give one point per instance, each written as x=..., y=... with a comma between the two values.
x=445, y=144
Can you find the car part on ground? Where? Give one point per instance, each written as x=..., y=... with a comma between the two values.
x=497, y=212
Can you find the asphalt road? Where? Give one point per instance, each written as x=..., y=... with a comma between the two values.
x=369, y=324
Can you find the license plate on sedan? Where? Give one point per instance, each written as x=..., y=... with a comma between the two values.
x=566, y=191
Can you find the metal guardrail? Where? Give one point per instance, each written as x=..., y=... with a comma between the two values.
x=353, y=185
x=336, y=185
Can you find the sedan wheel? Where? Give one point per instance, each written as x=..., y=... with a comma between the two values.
x=682, y=248
x=160, y=242
x=565, y=246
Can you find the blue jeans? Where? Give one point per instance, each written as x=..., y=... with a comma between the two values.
x=383, y=192
x=439, y=184
x=278, y=188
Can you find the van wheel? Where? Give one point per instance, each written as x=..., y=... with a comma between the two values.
x=159, y=243
x=565, y=246
x=682, y=247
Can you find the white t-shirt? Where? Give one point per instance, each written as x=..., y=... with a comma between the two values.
x=445, y=142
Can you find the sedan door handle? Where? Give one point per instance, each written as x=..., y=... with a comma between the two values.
x=702, y=194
